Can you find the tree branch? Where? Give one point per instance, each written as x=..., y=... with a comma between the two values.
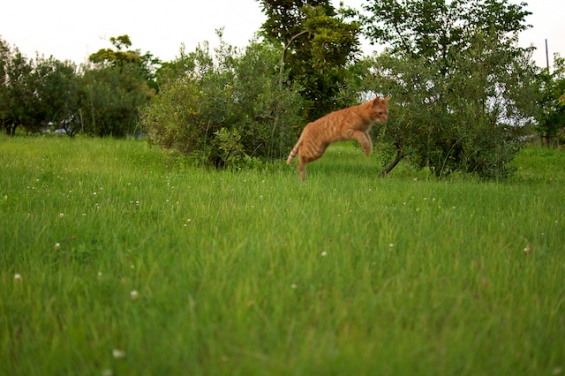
x=399, y=156
x=283, y=57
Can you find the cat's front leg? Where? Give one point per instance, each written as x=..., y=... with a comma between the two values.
x=363, y=138
x=369, y=144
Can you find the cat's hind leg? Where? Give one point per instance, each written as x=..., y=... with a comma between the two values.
x=302, y=166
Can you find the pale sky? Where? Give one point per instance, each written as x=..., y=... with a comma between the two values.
x=73, y=29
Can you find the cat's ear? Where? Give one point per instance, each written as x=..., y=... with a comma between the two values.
x=385, y=100
x=376, y=101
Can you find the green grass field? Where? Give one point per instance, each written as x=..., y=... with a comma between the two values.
x=118, y=260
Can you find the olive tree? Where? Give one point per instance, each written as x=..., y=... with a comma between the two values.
x=461, y=87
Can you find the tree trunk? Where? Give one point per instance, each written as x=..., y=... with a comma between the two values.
x=547, y=141
x=389, y=168
x=11, y=129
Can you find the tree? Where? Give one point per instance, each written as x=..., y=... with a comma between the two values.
x=47, y=93
x=5, y=55
x=317, y=43
x=551, y=118
x=56, y=95
x=36, y=94
x=146, y=65
x=438, y=29
x=114, y=86
x=460, y=85
x=18, y=100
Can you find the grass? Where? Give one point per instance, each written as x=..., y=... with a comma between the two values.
x=254, y=273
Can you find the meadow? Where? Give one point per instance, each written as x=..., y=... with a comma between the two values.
x=117, y=259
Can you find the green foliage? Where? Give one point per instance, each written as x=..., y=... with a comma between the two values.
x=224, y=108
x=17, y=99
x=5, y=55
x=57, y=89
x=101, y=99
x=437, y=30
x=110, y=101
x=229, y=146
x=461, y=89
x=117, y=57
x=114, y=87
x=138, y=65
x=36, y=94
x=317, y=44
x=285, y=18
x=551, y=118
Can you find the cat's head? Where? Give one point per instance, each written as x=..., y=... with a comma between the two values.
x=378, y=108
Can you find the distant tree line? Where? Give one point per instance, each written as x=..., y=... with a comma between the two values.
x=100, y=98
x=464, y=95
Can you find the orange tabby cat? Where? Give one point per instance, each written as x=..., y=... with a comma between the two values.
x=352, y=123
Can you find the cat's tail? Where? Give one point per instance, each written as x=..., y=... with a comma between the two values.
x=294, y=151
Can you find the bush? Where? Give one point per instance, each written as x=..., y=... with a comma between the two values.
x=224, y=109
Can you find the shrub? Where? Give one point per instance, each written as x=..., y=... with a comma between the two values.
x=226, y=108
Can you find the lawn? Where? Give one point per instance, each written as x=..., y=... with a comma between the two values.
x=118, y=259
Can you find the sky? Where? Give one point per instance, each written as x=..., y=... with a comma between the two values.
x=73, y=29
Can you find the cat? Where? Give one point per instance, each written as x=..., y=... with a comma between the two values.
x=351, y=123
